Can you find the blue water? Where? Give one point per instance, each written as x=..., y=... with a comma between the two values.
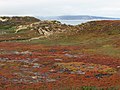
x=74, y=22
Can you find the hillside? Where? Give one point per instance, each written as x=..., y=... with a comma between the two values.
x=30, y=28
x=92, y=35
x=103, y=26
x=48, y=55
x=9, y=22
x=76, y=17
x=81, y=17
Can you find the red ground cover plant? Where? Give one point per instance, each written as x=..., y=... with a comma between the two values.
x=25, y=66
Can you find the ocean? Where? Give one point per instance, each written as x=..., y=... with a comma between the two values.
x=74, y=22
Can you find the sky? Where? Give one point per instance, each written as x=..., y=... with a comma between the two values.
x=109, y=8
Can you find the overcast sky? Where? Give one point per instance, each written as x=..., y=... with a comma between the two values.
x=60, y=7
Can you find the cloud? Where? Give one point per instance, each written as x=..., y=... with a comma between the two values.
x=60, y=7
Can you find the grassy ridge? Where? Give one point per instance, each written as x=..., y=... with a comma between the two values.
x=99, y=37
x=96, y=37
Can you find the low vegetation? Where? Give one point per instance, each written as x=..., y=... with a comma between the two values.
x=48, y=55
